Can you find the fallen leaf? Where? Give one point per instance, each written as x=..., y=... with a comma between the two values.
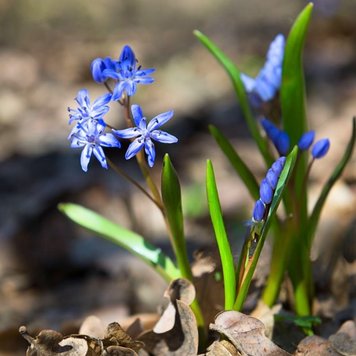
x=178, y=332
x=344, y=341
x=246, y=333
x=315, y=346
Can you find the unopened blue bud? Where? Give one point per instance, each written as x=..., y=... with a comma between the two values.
x=321, y=148
x=272, y=178
x=98, y=66
x=278, y=165
x=259, y=210
x=266, y=192
x=271, y=130
x=282, y=143
x=306, y=140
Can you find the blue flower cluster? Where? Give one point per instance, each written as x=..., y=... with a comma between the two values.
x=267, y=188
x=90, y=134
x=264, y=87
x=268, y=81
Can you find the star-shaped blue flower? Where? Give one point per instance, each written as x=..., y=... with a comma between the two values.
x=86, y=110
x=144, y=134
x=90, y=136
x=124, y=70
x=268, y=80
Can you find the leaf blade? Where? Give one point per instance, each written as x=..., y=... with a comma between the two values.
x=125, y=238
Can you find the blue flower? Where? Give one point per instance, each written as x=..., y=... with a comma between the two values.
x=125, y=71
x=98, y=66
x=90, y=136
x=306, y=140
x=144, y=134
x=268, y=80
x=320, y=148
x=85, y=110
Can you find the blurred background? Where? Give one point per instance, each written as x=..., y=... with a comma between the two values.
x=53, y=274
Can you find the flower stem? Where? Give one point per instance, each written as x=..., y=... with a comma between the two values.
x=122, y=173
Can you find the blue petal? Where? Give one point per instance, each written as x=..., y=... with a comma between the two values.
x=134, y=148
x=144, y=72
x=321, y=148
x=101, y=101
x=248, y=82
x=83, y=98
x=271, y=130
x=111, y=73
x=128, y=133
x=131, y=87
x=144, y=80
x=118, y=90
x=159, y=120
x=163, y=137
x=100, y=155
x=127, y=57
x=137, y=114
x=109, y=140
x=97, y=66
x=150, y=151
x=85, y=157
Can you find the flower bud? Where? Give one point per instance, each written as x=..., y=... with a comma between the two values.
x=259, y=210
x=278, y=165
x=306, y=140
x=321, y=148
x=282, y=143
x=271, y=130
x=272, y=178
x=266, y=192
x=98, y=66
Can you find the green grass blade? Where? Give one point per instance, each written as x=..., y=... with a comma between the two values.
x=315, y=215
x=172, y=201
x=239, y=88
x=282, y=183
x=292, y=92
x=226, y=257
x=237, y=163
x=127, y=239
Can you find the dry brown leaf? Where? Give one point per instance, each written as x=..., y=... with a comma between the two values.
x=117, y=336
x=92, y=326
x=315, y=346
x=246, y=333
x=222, y=348
x=178, y=330
x=344, y=341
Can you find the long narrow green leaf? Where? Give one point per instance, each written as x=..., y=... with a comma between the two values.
x=172, y=201
x=239, y=88
x=226, y=257
x=127, y=239
x=293, y=83
x=315, y=215
x=282, y=183
x=237, y=163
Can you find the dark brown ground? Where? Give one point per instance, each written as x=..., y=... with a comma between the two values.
x=52, y=274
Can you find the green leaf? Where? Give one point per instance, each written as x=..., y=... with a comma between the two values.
x=282, y=183
x=315, y=215
x=127, y=239
x=172, y=201
x=226, y=257
x=293, y=84
x=237, y=163
x=239, y=88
